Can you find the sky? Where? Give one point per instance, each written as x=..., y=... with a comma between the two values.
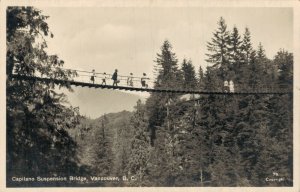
x=128, y=39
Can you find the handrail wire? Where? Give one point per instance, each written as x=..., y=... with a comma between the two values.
x=162, y=90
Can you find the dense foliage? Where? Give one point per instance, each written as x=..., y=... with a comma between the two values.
x=38, y=142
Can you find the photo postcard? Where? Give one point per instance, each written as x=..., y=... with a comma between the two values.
x=150, y=95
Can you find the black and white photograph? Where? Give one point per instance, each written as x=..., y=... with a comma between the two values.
x=149, y=96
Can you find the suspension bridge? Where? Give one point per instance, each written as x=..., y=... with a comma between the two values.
x=133, y=83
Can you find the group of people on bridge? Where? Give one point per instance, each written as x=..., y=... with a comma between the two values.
x=116, y=80
x=228, y=84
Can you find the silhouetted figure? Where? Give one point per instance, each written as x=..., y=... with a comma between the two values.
x=143, y=80
x=93, y=76
x=115, y=78
x=104, y=79
x=130, y=80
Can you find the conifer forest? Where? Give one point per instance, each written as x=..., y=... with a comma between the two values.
x=225, y=140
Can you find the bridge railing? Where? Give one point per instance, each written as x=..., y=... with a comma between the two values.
x=85, y=77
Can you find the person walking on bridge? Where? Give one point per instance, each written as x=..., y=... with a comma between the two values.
x=130, y=80
x=115, y=78
x=93, y=76
x=104, y=79
x=143, y=80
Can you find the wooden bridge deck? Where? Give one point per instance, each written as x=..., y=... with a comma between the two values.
x=162, y=90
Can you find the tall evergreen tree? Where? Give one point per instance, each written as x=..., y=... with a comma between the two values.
x=166, y=66
x=239, y=68
x=140, y=147
x=284, y=62
x=189, y=74
x=265, y=65
x=102, y=149
x=201, y=74
x=247, y=46
x=168, y=77
x=255, y=72
x=211, y=80
x=218, y=49
x=122, y=147
x=218, y=147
